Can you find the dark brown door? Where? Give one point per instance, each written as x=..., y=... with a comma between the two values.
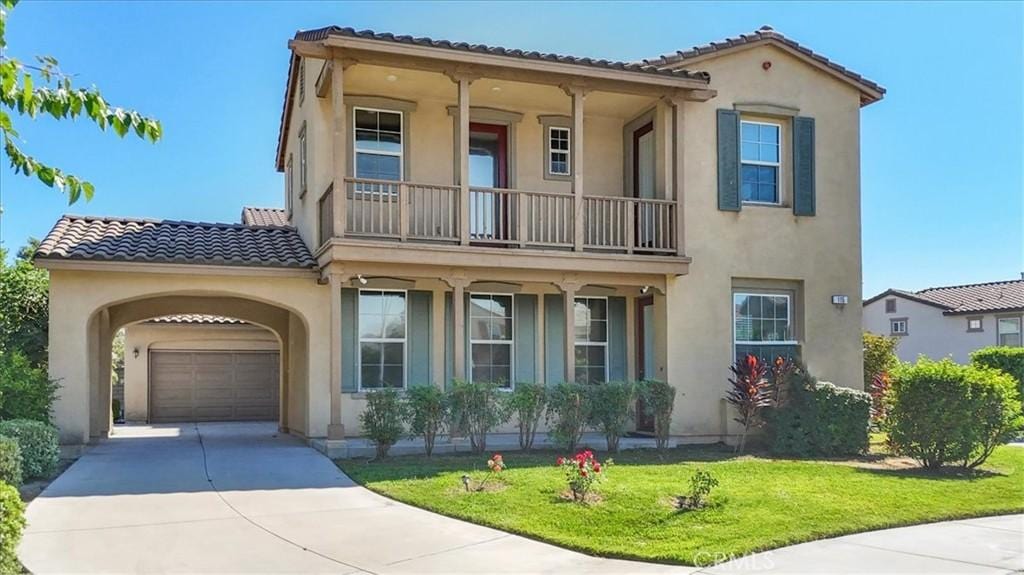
x=645, y=357
x=489, y=211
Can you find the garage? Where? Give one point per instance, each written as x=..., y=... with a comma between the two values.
x=203, y=385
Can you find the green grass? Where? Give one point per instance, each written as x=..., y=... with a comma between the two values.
x=760, y=504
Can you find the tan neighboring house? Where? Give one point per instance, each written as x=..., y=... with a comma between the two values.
x=949, y=321
x=474, y=212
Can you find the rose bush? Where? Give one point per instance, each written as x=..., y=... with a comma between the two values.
x=582, y=471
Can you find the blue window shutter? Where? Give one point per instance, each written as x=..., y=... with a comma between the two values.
x=729, y=160
x=418, y=370
x=349, y=339
x=803, y=166
x=554, y=338
x=525, y=308
x=449, y=341
x=617, y=339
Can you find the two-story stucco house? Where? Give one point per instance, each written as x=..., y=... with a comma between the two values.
x=483, y=213
x=949, y=321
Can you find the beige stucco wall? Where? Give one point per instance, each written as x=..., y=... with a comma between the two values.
x=146, y=337
x=930, y=333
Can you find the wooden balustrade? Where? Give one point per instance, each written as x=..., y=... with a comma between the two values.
x=409, y=211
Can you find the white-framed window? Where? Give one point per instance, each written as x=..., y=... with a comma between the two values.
x=302, y=81
x=898, y=326
x=590, y=321
x=303, y=160
x=289, y=184
x=762, y=319
x=761, y=159
x=382, y=339
x=1008, y=331
x=558, y=151
x=490, y=339
x=377, y=152
x=975, y=324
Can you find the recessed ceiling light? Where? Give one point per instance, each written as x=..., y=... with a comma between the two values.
x=391, y=78
x=495, y=88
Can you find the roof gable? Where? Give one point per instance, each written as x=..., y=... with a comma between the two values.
x=989, y=297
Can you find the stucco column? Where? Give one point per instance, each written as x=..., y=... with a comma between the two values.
x=335, y=429
x=458, y=282
x=462, y=79
x=569, y=288
x=71, y=345
x=339, y=159
x=678, y=180
x=577, y=93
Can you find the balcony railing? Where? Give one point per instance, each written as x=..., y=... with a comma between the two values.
x=406, y=211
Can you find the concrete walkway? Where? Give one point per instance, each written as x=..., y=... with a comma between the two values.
x=239, y=498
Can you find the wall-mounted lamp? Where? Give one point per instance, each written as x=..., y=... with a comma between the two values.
x=361, y=279
x=135, y=353
x=644, y=290
x=840, y=300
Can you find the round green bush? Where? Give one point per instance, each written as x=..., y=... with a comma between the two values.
x=12, y=521
x=40, y=448
x=10, y=462
x=943, y=413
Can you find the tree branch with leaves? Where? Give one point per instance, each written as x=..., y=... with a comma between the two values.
x=43, y=88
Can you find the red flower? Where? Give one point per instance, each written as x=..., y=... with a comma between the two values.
x=597, y=468
x=560, y=461
x=583, y=473
x=582, y=464
x=497, y=457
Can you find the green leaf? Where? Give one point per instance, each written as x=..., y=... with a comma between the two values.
x=89, y=190
x=46, y=175
x=26, y=90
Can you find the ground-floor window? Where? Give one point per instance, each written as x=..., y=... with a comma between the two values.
x=382, y=338
x=1008, y=331
x=490, y=338
x=763, y=324
x=591, y=335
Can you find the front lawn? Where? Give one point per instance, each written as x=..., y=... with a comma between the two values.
x=760, y=503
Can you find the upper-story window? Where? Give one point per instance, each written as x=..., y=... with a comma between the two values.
x=558, y=151
x=303, y=160
x=289, y=185
x=898, y=326
x=490, y=338
x=890, y=305
x=382, y=336
x=975, y=324
x=1008, y=331
x=590, y=320
x=378, y=144
x=761, y=158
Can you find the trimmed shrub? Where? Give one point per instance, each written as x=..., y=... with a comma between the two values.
x=382, y=419
x=819, y=419
x=659, y=400
x=526, y=404
x=12, y=521
x=427, y=407
x=879, y=356
x=10, y=462
x=39, y=443
x=476, y=410
x=1009, y=360
x=26, y=392
x=612, y=406
x=943, y=413
x=568, y=413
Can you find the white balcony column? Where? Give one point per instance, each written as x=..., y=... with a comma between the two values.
x=335, y=279
x=678, y=180
x=458, y=283
x=577, y=92
x=339, y=199
x=462, y=78
x=569, y=287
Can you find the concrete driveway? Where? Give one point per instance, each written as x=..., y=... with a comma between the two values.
x=239, y=498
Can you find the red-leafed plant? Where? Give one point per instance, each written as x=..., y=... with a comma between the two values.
x=879, y=387
x=779, y=379
x=750, y=393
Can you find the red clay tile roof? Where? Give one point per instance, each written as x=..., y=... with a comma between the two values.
x=991, y=297
x=264, y=216
x=194, y=318
x=174, y=242
x=764, y=34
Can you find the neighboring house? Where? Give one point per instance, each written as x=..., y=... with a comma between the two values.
x=950, y=321
x=459, y=211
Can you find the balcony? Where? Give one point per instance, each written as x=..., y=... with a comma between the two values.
x=410, y=212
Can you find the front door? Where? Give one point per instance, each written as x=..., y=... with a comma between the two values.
x=488, y=170
x=643, y=183
x=645, y=357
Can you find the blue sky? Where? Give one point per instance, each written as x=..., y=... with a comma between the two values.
x=942, y=155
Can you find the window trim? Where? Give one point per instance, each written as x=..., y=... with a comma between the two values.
x=404, y=341
x=302, y=80
x=776, y=165
x=400, y=154
x=789, y=318
x=895, y=320
x=511, y=341
x=604, y=344
x=981, y=324
x=1020, y=329
x=568, y=152
x=289, y=186
x=303, y=161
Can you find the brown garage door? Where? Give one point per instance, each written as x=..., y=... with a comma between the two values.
x=212, y=386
